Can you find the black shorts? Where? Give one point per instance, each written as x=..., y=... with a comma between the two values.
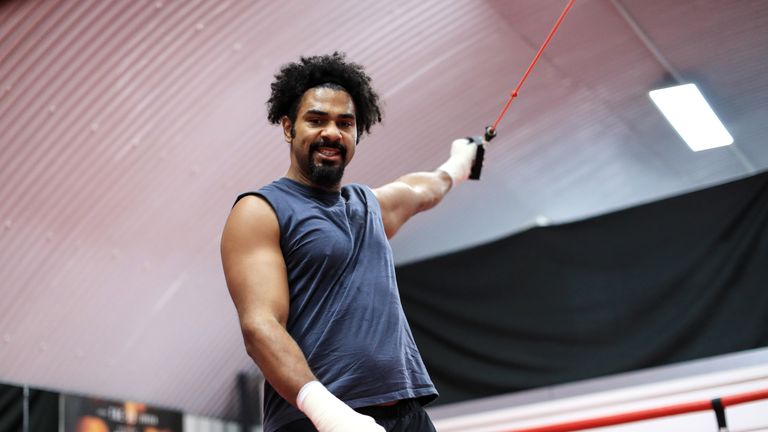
x=405, y=416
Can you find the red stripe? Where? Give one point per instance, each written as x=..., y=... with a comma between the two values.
x=647, y=414
x=745, y=397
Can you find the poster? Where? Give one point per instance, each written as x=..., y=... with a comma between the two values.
x=87, y=414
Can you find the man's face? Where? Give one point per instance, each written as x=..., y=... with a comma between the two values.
x=323, y=137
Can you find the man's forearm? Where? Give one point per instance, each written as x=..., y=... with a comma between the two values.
x=279, y=358
x=431, y=187
x=285, y=367
x=416, y=192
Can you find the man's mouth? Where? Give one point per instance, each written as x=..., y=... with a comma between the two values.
x=329, y=151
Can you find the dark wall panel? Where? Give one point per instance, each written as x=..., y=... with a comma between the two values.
x=11, y=408
x=43, y=411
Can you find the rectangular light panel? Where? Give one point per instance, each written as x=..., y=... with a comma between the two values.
x=691, y=116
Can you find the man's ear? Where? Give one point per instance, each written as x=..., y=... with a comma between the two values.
x=287, y=125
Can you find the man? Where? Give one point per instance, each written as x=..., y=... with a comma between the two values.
x=310, y=270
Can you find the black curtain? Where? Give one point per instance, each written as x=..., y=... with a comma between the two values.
x=670, y=281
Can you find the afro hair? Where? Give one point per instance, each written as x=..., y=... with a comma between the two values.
x=294, y=79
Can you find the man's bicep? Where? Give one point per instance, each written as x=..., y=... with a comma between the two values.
x=253, y=262
x=398, y=202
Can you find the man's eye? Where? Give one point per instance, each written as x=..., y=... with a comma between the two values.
x=346, y=124
x=315, y=122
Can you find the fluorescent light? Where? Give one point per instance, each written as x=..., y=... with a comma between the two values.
x=691, y=116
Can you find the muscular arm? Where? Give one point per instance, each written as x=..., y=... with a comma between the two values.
x=410, y=194
x=258, y=283
x=416, y=192
x=256, y=277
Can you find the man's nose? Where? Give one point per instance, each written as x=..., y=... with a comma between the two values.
x=331, y=132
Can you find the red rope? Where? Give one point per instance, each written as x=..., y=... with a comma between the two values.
x=533, y=63
x=648, y=414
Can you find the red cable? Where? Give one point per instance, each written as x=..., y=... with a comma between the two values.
x=530, y=67
x=648, y=414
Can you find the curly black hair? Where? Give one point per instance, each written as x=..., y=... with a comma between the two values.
x=327, y=70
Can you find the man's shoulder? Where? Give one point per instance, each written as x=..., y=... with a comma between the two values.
x=253, y=204
x=251, y=218
x=263, y=193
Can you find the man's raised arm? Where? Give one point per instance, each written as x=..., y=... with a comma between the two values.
x=416, y=192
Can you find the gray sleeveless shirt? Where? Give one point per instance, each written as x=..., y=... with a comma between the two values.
x=345, y=310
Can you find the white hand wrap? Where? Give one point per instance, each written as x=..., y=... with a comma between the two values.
x=459, y=165
x=329, y=414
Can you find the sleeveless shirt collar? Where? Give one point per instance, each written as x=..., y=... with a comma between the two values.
x=310, y=191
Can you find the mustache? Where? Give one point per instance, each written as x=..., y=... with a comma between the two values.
x=315, y=146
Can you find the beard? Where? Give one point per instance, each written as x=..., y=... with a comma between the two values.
x=326, y=175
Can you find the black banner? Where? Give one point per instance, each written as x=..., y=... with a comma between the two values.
x=675, y=280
